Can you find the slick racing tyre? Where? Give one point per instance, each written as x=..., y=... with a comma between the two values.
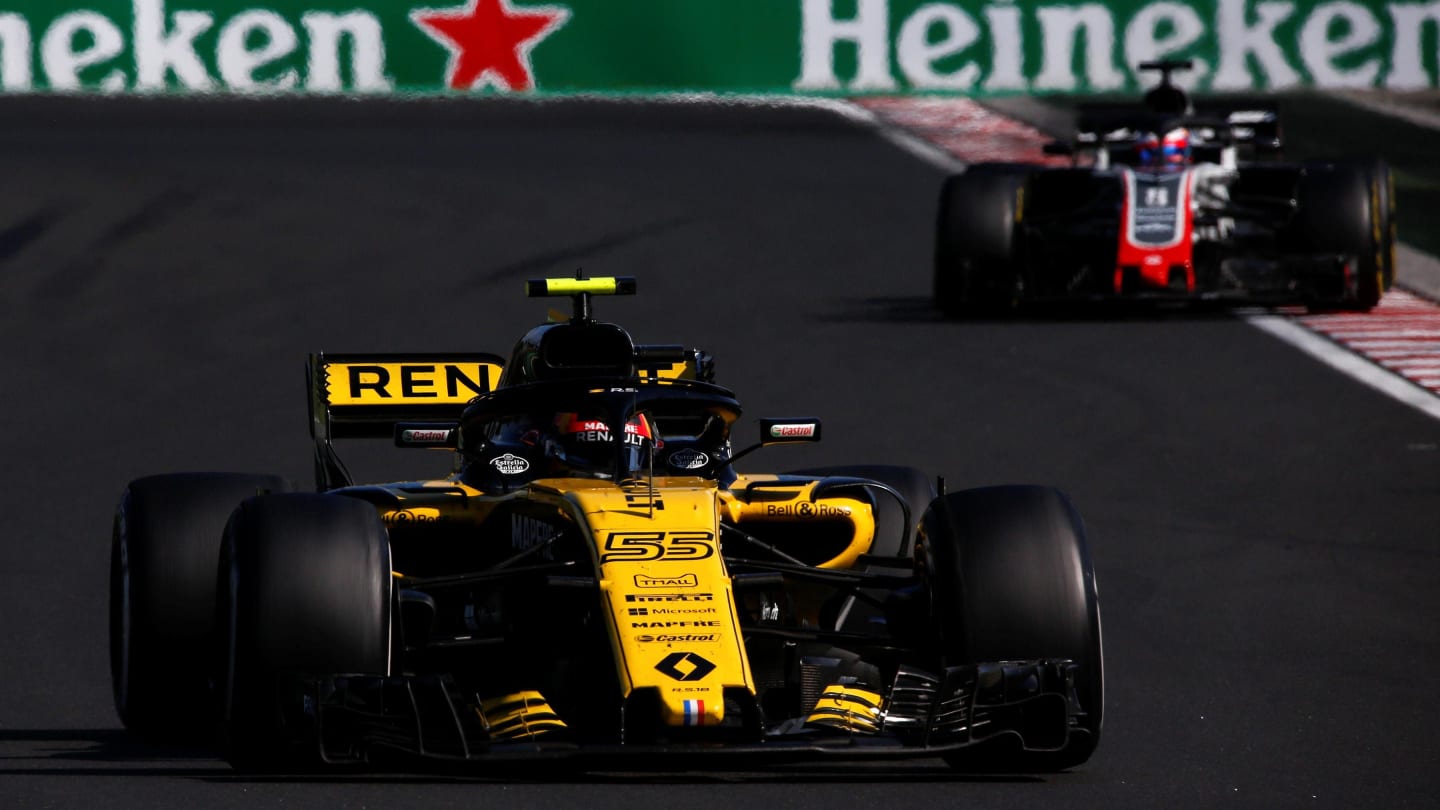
x=164, y=545
x=1009, y=577
x=892, y=537
x=1338, y=211
x=1382, y=203
x=304, y=590
x=976, y=262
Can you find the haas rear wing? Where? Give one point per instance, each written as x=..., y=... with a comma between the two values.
x=416, y=399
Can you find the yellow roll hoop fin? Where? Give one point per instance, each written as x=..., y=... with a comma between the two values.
x=609, y=285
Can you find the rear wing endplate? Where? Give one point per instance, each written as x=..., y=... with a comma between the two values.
x=369, y=396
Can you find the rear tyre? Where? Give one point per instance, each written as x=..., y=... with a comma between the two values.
x=977, y=271
x=305, y=590
x=1009, y=577
x=164, y=545
x=1338, y=212
x=1382, y=185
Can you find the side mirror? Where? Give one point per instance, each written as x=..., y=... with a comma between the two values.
x=427, y=435
x=789, y=431
x=797, y=430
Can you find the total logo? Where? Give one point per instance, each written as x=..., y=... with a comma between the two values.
x=153, y=45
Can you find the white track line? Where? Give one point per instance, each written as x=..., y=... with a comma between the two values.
x=1348, y=363
x=1393, y=383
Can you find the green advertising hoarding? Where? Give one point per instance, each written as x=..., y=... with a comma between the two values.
x=725, y=46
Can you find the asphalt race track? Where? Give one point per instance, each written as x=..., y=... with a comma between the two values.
x=1265, y=530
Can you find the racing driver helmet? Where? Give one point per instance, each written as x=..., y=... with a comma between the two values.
x=1170, y=152
x=583, y=445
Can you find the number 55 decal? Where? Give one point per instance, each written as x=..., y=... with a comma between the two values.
x=646, y=546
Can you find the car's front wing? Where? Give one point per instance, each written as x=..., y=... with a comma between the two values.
x=350, y=719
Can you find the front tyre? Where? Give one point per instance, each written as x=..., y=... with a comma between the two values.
x=1009, y=577
x=305, y=591
x=164, y=544
x=977, y=267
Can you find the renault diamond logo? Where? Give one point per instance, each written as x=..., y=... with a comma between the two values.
x=695, y=667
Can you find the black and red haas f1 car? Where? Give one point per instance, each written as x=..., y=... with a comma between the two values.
x=593, y=580
x=1169, y=203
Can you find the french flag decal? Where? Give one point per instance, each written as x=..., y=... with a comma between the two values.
x=694, y=712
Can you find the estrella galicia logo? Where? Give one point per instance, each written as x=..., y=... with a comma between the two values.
x=688, y=459
x=510, y=464
x=695, y=667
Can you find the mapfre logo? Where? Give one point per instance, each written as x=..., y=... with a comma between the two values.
x=682, y=581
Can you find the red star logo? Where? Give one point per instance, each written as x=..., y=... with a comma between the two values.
x=490, y=41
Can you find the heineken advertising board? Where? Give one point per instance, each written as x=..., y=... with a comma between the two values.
x=753, y=46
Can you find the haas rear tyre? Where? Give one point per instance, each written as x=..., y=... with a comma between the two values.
x=305, y=592
x=1338, y=211
x=976, y=267
x=1009, y=577
x=1382, y=202
x=165, y=542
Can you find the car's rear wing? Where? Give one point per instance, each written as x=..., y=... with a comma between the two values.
x=417, y=399
x=357, y=396
x=1253, y=126
x=390, y=396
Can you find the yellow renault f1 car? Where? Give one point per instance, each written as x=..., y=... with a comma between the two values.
x=596, y=580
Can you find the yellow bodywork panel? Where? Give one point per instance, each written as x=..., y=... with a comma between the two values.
x=604, y=285
x=674, y=371
x=405, y=383
x=795, y=506
x=520, y=716
x=848, y=708
x=669, y=606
